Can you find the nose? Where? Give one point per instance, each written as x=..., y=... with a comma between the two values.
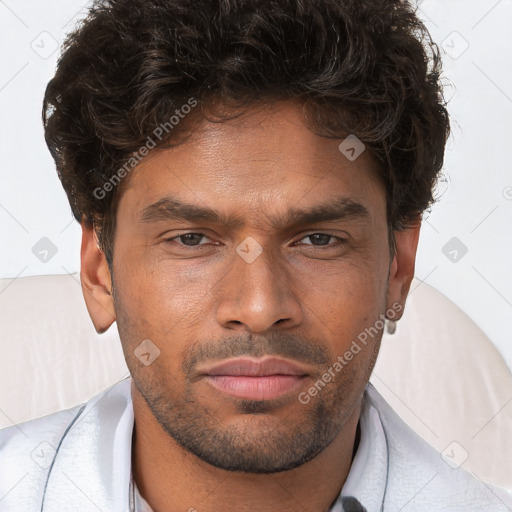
x=257, y=295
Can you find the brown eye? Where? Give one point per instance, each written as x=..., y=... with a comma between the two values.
x=322, y=239
x=187, y=239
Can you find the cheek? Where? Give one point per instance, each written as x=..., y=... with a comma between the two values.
x=160, y=302
x=351, y=289
x=155, y=288
x=347, y=307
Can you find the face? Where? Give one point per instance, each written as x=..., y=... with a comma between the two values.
x=247, y=261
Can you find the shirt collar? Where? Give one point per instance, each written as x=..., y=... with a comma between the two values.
x=97, y=477
x=365, y=486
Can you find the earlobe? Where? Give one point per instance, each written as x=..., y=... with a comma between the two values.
x=96, y=280
x=401, y=272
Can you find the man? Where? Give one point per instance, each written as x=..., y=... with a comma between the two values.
x=249, y=177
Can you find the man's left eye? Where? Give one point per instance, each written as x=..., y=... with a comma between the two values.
x=323, y=239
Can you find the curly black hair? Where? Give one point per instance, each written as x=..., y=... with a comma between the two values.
x=362, y=67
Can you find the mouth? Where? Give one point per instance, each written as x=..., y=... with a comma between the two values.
x=256, y=379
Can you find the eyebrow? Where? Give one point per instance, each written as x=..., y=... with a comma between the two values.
x=171, y=208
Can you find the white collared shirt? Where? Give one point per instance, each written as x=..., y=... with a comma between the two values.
x=79, y=460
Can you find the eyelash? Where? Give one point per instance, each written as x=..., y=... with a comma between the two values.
x=341, y=240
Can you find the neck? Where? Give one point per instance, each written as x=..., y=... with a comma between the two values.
x=172, y=479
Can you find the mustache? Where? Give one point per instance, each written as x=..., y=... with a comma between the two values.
x=277, y=344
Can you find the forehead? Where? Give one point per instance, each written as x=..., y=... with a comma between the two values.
x=265, y=161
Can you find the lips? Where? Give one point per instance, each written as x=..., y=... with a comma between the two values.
x=255, y=379
x=256, y=367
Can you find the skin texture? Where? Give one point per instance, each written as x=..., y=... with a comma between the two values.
x=199, y=301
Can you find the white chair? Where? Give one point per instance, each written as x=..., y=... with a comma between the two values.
x=449, y=383
x=438, y=371
x=52, y=358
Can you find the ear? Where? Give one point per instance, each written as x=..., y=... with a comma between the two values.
x=402, y=267
x=96, y=280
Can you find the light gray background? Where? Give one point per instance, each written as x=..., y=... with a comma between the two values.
x=476, y=197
